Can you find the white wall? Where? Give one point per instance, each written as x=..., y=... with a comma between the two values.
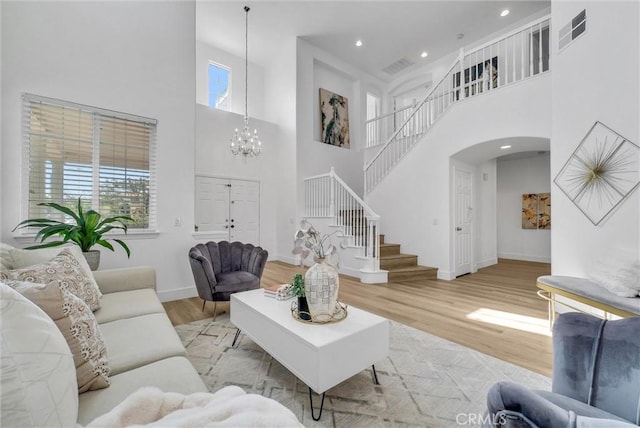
x=256, y=100
x=486, y=214
x=213, y=157
x=316, y=68
x=280, y=89
x=515, y=178
x=613, y=37
x=1, y=117
x=135, y=57
x=418, y=189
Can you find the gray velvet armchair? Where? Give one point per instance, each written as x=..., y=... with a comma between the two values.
x=596, y=379
x=223, y=268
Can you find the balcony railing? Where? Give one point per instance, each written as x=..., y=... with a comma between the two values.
x=514, y=57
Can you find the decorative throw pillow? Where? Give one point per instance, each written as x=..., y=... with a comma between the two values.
x=78, y=326
x=618, y=271
x=24, y=258
x=6, y=261
x=66, y=268
x=37, y=380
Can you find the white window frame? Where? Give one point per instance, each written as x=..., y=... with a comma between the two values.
x=229, y=85
x=29, y=99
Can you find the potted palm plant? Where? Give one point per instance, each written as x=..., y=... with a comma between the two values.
x=86, y=229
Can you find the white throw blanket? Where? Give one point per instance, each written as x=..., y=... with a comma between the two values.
x=228, y=407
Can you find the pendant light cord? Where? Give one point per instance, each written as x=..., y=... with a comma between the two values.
x=246, y=61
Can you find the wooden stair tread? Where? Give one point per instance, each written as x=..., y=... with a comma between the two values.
x=415, y=273
x=389, y=249
x=414, y=269
x=397, y=256
x=403, y=267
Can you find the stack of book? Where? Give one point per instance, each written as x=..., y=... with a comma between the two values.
x=278, y=292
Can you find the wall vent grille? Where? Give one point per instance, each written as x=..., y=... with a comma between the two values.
x=573, y=29
x=397, y=66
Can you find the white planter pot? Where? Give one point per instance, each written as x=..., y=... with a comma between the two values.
x=93, y=258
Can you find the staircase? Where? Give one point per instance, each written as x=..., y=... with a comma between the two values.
x=402, y=267
x=515, y=56
x=329, y=198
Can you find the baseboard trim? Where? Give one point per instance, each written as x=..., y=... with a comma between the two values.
x=524, y=257
x=446, y=275
x=371, y=277
x=287, y=259
x=177, y=294
x=349, y=271
x=485, y=263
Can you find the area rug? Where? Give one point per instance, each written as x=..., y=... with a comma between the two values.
x=425, y=382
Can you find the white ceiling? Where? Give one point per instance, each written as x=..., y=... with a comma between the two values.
x=389, y=30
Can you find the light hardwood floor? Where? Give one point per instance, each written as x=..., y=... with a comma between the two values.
x=495, y=311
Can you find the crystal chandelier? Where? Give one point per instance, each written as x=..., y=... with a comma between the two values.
x=244, y=142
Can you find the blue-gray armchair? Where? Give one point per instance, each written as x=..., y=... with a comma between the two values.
x=596, y=379
x=222, y=268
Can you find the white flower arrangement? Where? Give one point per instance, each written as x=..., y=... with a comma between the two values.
x=308, y=240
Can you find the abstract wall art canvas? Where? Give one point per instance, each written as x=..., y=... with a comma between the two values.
x=536, y=211
x=530, y=211
x=334, y=119
x=544, y=211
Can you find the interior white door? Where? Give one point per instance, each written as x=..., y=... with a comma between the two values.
x=245, y=211
x=463, y=217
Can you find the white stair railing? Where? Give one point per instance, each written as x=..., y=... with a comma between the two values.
x=516, y=56
x=327, y=195
x=380, y=128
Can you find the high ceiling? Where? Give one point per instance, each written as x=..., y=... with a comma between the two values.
x=389, y=30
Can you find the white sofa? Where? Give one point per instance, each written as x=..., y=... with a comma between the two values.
x=143, y=348
x=47, y=327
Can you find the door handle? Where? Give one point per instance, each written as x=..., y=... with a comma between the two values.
x=458, y=229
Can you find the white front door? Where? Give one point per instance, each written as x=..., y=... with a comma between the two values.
x=229, y=208
x=212, y=204
x=463, y=216
x=245, y=211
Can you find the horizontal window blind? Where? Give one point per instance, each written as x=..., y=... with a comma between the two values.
x=105, y=157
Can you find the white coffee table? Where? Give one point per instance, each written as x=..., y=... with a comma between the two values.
x=321, y=355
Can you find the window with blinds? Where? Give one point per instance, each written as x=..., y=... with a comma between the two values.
x=74, y=151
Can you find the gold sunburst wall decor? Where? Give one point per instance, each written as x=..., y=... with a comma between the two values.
x=602, y=171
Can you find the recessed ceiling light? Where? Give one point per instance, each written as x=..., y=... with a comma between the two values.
x=505, y=147
x=505, y=12
x=424, y=54
x=358, y=43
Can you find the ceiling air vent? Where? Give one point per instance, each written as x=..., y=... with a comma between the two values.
x=573, y=29
x=397, y=66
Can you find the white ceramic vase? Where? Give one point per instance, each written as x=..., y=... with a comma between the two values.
x=321, y=284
